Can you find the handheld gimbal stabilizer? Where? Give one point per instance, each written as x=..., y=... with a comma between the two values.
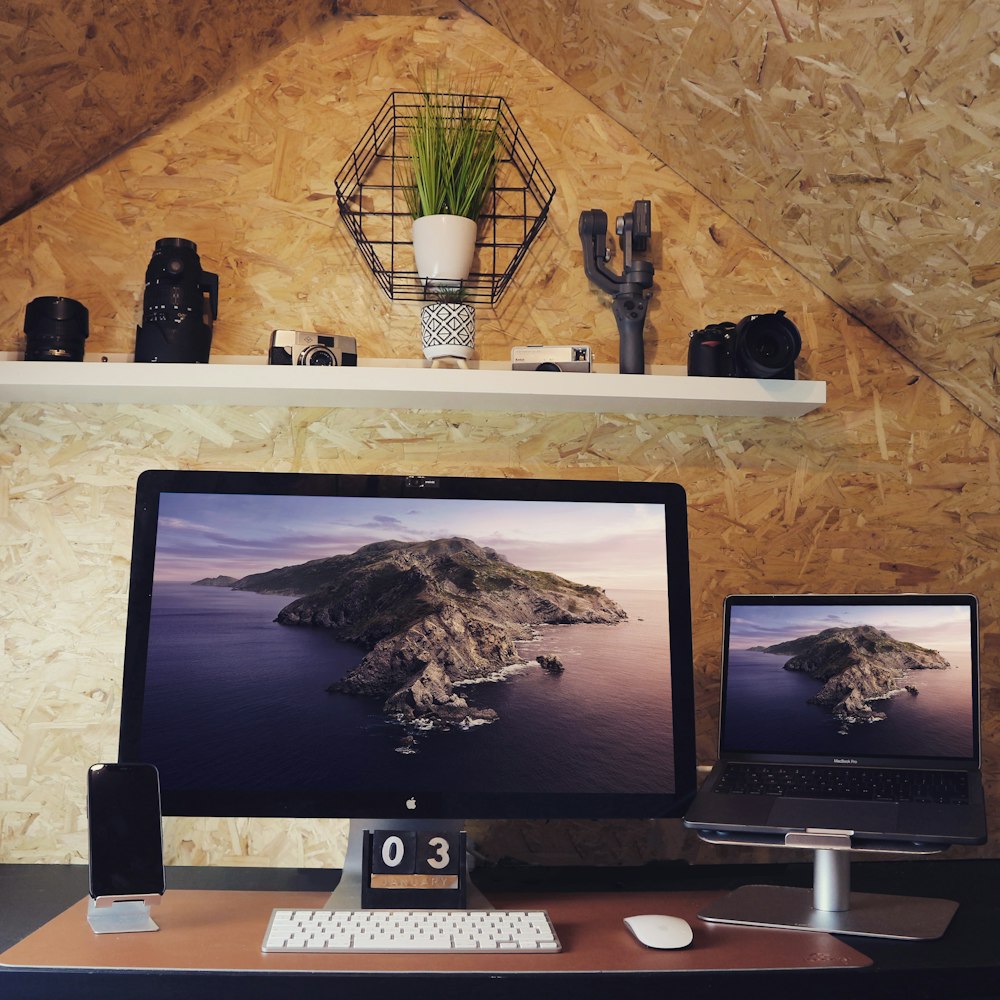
x=631, y=289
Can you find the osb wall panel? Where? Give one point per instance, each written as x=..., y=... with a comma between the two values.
x=248, y=175
x=891, y=486
x=80, y=78
x=858, y=139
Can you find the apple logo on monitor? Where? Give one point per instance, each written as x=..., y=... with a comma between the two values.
x=411, y=803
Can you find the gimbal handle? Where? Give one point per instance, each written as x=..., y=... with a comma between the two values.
x=629, y=288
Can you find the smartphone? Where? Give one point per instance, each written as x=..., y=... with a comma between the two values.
x=126, y=844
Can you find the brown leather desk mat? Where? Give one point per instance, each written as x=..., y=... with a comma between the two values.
x=222, y=930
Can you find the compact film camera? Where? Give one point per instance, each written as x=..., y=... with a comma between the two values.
x=179, y=305
x=297, y=347
x=550, y=359
x=759, y=346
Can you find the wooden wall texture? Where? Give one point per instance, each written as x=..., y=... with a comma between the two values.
x=892, y=485
x=858, y=139
x=81, y=78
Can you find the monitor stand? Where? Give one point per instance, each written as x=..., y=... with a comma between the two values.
x=347, y=894
x=830, y=905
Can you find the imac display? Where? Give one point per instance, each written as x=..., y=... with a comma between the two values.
x=410, y=647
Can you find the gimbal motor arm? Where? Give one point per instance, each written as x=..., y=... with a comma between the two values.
x=631, y=289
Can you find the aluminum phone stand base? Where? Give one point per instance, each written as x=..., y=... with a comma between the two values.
x=120, y=916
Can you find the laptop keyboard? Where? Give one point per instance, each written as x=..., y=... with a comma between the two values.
x=871, y=784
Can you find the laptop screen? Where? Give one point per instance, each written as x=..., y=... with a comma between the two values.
x=852, y=678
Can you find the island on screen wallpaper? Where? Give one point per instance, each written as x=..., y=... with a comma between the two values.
x=865, y=679
x=408, y=619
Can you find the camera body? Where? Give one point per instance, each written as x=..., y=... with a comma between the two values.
x=179, y=304
x=297, y=347
x=575, y=358
x=761, y=345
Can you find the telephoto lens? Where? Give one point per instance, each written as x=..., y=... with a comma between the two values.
x=179, y=303
x=55, y=328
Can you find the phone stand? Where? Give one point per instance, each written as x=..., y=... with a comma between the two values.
x=121, y=914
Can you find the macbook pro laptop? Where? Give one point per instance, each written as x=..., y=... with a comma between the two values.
x=854, y=714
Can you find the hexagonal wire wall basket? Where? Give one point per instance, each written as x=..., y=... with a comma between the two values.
x=371, y=201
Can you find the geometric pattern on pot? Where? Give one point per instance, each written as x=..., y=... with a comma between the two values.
x=448, y=329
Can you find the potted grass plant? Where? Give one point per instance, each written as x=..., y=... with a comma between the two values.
x=452, y=164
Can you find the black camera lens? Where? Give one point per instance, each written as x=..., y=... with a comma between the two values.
x=55, y=328
x=766, y=346
x=180, y=302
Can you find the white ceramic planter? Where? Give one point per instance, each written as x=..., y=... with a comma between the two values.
x=448, y=330
x=443, y=247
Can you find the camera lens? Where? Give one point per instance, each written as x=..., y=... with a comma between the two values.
x=766, y=346
x=317, y=355
x=179, y=303
x=55, y=329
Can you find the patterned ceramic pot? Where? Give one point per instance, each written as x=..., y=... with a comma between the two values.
x=448, y=330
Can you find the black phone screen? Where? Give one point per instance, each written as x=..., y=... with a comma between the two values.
x=126, y=849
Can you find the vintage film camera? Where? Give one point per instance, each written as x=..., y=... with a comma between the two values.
x=297, y=347
x=759, y=346
x=575, y=358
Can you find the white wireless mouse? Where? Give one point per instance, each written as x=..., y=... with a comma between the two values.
x=656, y=930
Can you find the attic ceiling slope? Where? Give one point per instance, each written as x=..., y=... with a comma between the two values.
x=81, y=78
x=859, y=140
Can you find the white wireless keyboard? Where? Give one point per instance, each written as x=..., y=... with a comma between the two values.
x=410, y=931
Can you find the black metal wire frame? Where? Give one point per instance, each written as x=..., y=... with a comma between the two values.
x=370, y=196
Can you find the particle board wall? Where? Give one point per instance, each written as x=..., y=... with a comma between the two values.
x=891, y=486
x=81, y=78
x=857, y=139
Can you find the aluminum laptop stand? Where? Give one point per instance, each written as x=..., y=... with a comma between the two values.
x=830, y=905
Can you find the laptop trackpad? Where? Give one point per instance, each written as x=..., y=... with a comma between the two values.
x=867, y=817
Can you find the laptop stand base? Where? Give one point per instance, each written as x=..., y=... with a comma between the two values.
x=906, y=918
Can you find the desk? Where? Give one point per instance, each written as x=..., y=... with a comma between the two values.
x=964, y=963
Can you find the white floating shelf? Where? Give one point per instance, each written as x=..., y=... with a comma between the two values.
x=397, y=384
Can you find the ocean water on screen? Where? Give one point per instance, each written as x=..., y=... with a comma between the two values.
x=234, y=700
x=768, y=711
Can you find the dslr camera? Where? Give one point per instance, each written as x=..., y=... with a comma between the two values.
x=759, y=346
x=550, y=359
x=297, y=347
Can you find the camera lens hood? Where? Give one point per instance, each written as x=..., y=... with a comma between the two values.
x=176, y=243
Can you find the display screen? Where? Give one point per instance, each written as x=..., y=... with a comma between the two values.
x=123, y=826
x=377, y=645
x=892, y=677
